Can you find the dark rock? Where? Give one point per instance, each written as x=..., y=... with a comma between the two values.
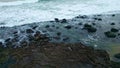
x=83, y=17
x=15, y=32
x=7, y=40
x=47, y=26
x=113, y=15
x=64, y=21
x=99, y=19
x=93, y=24
x=112, y=23
x=53, y=25
x=58, y=33
x=89, y=28
x=34, y=27
x=57, y=27
x=114, y=30
x=110, y=34
x=79, y=23
x=56, y=20
x=115, y=64
x=68, y=27
x=118, y=34
x=29, y=31
x=30, y=38
x=117, y=56
x=65, y=39
x=24, y=43
x=1, y=43
x=87, y=25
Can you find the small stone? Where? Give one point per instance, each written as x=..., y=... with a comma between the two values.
x=117, y=56
x=15, y=32
x=64, y=21
x=30, y=37
x=57, y=27
x=1, y=43
x=34, y=27
x=93, y=23
x=68, y=27
x=89, y=28
x=112, y=23
x=53, y=25
x=56, y=20
x=87, y=25
x=47, y=26
x=79, y=23
x=7, y=40
x=114, y=30
x=29, y=31
x=99, y=19
x=110, y=34
x=58, y=33
x=65, y=39
x=113, y=15
x=83, y=17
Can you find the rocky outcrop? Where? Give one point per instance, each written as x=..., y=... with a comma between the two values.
x=53, y=55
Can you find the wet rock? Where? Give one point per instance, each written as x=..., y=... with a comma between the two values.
x=7, y=40
x=15, y=32
x=68, y=27
x=89, y=28
x=99, y=19
x=53, y=25
x=34, y=27
x=114, y=30
x=56, y=20
x=1, y=43
x=83, y=17
x=58, y=33
x=29, y=31
x=110, y=34
x=30, y=38
x=24, y=43
x=65, y=39
x=47, y=26
x=113, y=15
x=112, y=23
x=117, y=56
x=57, y=27
x=93, y=24
x=64, y=21
x=79, y=23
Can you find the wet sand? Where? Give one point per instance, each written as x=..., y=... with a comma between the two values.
x=9, y=0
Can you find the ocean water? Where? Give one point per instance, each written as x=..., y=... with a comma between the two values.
x=29, y=11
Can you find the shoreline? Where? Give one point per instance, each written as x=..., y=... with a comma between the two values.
x=65, y=32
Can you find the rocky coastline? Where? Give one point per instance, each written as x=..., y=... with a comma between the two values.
x=60, y=43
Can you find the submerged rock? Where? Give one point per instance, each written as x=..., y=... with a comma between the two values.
x=56, y=20
x=110, y=34
x=90, y=28
x=29, y=31
x=114, y=30
x=117, y=56
x=68, y=27
x=64, y=21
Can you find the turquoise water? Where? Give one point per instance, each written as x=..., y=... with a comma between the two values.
x=29, y=11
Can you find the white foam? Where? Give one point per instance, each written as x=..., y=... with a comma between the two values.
x=48, y=10
x=17, y=2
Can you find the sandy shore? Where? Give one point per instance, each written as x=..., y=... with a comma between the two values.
x=9, y=0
